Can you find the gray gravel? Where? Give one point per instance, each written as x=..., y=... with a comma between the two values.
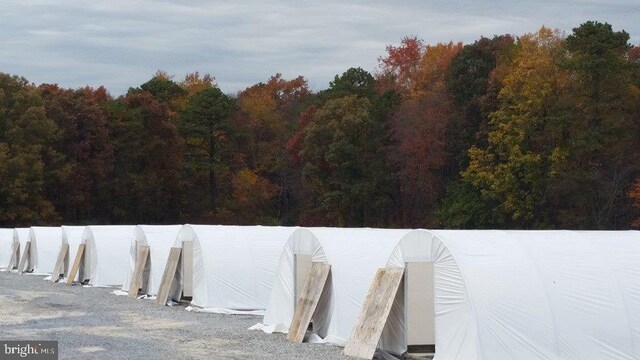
x=92, y=323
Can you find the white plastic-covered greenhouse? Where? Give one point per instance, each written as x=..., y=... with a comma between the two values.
x=106, y=254
x=497, y=294
x=44, y=248
x=159, y=239
x=6, y=247
x=354, y=255
x=71, y=236
x=233, y=266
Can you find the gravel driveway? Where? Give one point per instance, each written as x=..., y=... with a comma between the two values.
x=92, y=323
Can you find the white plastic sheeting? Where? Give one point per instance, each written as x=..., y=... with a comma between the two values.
x=44, y=248
x=6, y=246
x=106, y=259
x=539, y=295
x=72, y=236
x=233, y=266
x=498, y=294
x=20, y=238
x=547, y=294
x=160, y=240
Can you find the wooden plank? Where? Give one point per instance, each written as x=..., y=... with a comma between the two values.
x=169, y=274
x=57, y=269
x=302, y=265
x=187, y=269
x=14, y=257
x=374, y=313
x=309, y=297
x=76, y=264
x=136, y=279
x=22, y=267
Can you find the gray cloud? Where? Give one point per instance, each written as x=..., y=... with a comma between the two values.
x=121, y=43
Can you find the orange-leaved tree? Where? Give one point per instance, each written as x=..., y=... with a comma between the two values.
x=418, y=129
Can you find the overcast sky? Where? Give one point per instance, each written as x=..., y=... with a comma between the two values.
x=121, y=43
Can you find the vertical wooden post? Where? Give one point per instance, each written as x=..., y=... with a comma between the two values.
x=374, y=313
x=309, y=297
x=22, y=266
x=169, y=274
x=76, y=264
x=57, y=269
x=136, y=278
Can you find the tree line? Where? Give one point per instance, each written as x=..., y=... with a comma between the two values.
x=534, y=131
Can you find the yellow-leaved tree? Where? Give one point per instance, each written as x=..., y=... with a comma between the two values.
x=514, y=170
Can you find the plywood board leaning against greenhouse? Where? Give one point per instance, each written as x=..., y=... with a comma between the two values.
x=308, y=301
x=22, y=266
x=374, y=313
x=57, y=269
x=168, y=275
x=12, y=260
x=76, y=264
x=136, y=279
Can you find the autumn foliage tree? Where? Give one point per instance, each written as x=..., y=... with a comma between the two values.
x=516, y=168
x=340, y=164
x=252, y=197
x=418, y=127
x=29, y=163
x=147, y=160
x=343, y=154
x=193, y=83
x=268, y=116
x=398, y=69
x=474, y=81
x=165, y=90
x=85, y=139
